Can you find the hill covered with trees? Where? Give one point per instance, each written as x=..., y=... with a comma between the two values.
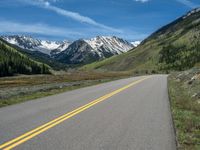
x=13, y=62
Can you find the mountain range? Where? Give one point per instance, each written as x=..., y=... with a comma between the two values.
x=76, y=52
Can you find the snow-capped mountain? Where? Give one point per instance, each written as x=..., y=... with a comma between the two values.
x=29, y=43
x=100, y=47
x=79, y=51
x=136, y=43
x=110, y=44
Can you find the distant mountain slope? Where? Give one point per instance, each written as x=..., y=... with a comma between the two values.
x=78, y=52
x=13, y=62
x=32, y=44
x=98, y=48
x=108, y=44
x=60, y=48
x=176, y=46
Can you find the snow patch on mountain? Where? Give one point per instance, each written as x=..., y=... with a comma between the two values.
x=64, y=46
x=196, y=10
x=136, y=43
x=49, y=45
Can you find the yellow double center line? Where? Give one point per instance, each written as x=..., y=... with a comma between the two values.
x=29, y=135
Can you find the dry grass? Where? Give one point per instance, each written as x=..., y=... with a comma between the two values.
x=24, y=80
x=22, y=88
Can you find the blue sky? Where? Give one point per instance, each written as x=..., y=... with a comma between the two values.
x=74, y=19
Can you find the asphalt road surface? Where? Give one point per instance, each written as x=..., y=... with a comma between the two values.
x=127, y=114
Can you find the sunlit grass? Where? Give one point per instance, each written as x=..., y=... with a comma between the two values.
x=186, y=115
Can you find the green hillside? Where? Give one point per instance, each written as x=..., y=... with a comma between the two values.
x=40, y=57
x=173, y=47
x=13, y=62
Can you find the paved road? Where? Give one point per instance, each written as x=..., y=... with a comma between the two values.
x=135, y=117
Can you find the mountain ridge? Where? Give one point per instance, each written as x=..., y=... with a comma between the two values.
x=101, y=47
x=175, y=46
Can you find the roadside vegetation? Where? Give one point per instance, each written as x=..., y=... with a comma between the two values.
x=184, y=90
x=179, y=57
x=27, y=87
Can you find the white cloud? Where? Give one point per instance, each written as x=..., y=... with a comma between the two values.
x=188, y=3
x=73, y=15
x=15, y=27
x=142, y=1
x=11, y=27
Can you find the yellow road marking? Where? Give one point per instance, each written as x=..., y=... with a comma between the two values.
x=29, y=135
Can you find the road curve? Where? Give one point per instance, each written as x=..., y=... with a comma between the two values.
x=127, y=114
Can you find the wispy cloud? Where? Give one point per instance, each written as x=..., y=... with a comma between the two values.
x=15, y=27
x=188, y=3
x=142, y=1
x=73, y=15
x=11, y=27
x=72, y=33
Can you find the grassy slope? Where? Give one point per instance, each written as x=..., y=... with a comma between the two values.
x=146, y=57
x=185, y=110
x=140, y=58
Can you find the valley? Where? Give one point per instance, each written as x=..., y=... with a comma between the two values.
x=117, y=93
